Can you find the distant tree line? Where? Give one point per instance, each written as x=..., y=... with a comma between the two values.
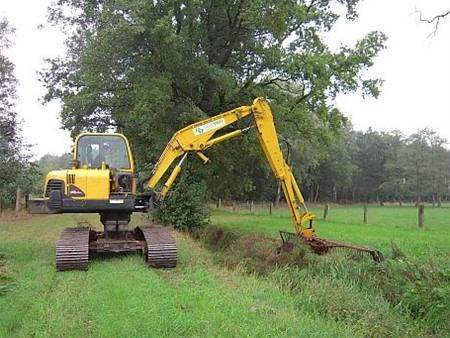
x=377, y=166
x=363, y=167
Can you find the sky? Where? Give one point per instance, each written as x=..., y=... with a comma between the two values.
x=415, y=67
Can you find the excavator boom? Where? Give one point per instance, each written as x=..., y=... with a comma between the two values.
x=199, y=136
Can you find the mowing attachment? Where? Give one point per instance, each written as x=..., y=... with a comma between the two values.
x=322, y=246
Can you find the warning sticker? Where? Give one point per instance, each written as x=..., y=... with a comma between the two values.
x=209, y=126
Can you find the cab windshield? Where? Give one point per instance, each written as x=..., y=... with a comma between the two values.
x=93, y=150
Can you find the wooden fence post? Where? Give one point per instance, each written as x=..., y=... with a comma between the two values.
x=251, y=206
x=326, y=210
x=18, y=194
x=366, y=216
x=270, y=208
x=219, y=203
x=420, y=214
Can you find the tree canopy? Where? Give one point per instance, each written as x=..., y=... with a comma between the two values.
x=148, y=68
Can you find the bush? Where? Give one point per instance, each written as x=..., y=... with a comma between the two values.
x=421, y=289
x=184, y=207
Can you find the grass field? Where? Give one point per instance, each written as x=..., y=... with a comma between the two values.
x=385, y=225
x=204, y=297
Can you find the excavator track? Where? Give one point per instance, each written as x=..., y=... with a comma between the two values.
x=72, y=250
x=161, y=251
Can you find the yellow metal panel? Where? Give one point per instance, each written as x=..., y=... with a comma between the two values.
x=97, y=184
x=79, y=180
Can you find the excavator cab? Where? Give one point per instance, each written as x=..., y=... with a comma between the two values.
x=101, y=179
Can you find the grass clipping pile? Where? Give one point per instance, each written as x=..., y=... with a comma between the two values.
x=254, y=252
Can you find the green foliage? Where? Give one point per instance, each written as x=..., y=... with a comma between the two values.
x=374, y=166
x=421, y=289
x=427, y=167
x=184, y=207
x=54, y=162
x=333, y=177
x=371, y=159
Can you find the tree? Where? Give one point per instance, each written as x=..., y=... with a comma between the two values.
x=12, y=161
x=428, y=169
x=394, y=185
x=147, y=68
x=370, y=161
x=52, y=162
x=420, y=161
x=334, y=175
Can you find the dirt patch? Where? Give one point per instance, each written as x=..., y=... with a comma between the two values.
x=253, y=252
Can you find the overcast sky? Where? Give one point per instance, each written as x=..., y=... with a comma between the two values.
x=415, y=67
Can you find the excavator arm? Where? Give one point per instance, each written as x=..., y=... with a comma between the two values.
x=201, y=135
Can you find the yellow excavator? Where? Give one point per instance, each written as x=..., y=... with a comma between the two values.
x=102, y=180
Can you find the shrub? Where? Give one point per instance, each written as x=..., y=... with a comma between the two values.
x=184, y=207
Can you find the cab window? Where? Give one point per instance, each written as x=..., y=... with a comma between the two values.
x=93, y=150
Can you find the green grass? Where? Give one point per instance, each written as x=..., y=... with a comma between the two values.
x=119, y=296
x=345, y=223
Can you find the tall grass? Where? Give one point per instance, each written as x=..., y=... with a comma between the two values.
x=406, y=294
